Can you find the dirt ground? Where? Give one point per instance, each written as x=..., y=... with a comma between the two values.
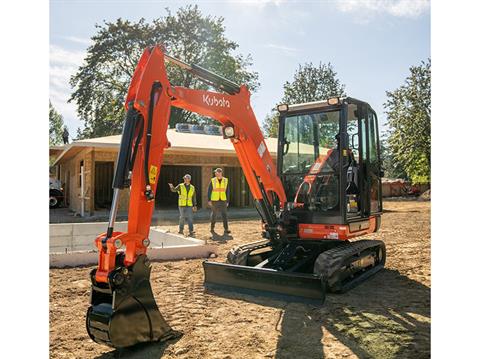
x=388, y=316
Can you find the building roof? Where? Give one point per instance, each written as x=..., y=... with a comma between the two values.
x=180, y=142
x=56, y=150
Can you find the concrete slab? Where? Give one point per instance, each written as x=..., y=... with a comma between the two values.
x=81, y=229
x=77, y=248
x=61, y=230
x=85, y=258
x=162, y=238
x=68, y=237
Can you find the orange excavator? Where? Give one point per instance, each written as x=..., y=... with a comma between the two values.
x=323, y=191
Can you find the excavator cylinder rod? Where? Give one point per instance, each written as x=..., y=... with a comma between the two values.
x=214, y=79
x=269, y=281
x=123, y=312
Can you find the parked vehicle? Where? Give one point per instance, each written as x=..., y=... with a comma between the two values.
x=56, y=193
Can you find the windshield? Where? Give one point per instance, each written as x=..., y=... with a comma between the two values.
x=310, y=154
x=307, y=137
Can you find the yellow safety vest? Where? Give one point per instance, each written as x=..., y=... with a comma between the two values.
x=184, y=198
x=219, y=189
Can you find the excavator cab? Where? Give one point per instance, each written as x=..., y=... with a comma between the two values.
x=328, y=159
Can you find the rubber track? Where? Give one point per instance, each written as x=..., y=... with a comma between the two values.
x=238, y=255
x=330, y=262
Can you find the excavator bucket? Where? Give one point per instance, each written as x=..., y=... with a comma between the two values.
x=123, y=312
x=254, y=280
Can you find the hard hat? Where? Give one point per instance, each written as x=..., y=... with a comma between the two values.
x=187, y=176
x=218, y=170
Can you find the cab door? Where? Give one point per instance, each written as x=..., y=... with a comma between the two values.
x=374, y=166
x=367, y=154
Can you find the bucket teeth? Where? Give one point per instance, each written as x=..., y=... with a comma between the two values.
x=123, y=312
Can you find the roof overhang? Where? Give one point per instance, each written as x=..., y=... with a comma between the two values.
x=55, y=150
x=72, y=149
x=113, y=143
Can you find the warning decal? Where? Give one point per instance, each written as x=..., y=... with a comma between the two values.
x=261, y=149
x=152, y=174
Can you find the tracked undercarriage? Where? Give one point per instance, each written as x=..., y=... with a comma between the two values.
x=300, y=268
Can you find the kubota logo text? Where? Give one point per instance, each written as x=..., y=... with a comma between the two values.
x=213, y=101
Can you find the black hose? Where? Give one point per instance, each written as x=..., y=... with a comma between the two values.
x=121, y=179
x=155, y=87
x=137, y=142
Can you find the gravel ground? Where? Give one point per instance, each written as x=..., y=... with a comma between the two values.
x=388, y=316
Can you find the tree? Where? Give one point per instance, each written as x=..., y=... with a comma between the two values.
x=392, y=168
x=55, y=126
x=101, y=83
x=310, y=83
x=408, y=116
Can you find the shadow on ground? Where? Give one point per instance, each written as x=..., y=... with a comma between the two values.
x=388, y=316
x=141, y=351
x=221, y=238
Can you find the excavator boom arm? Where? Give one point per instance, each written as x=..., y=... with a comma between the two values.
x=149, y=101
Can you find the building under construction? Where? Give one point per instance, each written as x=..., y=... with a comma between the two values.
x=86, y=167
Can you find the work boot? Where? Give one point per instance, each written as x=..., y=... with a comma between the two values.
x=191, y=234
x=227, y=231
x=180, y=232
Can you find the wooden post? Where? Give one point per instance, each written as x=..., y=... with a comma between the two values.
x=82, y=193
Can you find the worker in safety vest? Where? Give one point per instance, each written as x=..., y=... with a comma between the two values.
x=187, y=203
x=218, y=196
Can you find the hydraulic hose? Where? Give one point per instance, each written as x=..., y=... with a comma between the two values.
x=137, y=142
x=148, y=189
x=125, y=161
x=121, y=179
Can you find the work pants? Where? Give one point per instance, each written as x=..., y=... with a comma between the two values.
x=186, y=213
x=219, y=208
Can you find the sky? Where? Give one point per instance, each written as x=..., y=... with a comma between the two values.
x=371, y=43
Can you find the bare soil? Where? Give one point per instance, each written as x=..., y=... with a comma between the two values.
x=388, y=316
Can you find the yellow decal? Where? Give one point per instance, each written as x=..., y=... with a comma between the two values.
x=152, y=175
x=344, y=152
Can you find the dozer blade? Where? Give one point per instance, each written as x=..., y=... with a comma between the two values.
x=256, y=280
x=123, y=312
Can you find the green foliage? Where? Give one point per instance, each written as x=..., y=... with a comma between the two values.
x=55, y=125
x=310, y=83
x=270, y=124
x=408, y=113
x=101, y=83
x=392, y=168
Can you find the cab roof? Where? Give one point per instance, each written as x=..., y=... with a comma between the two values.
x=319, y=104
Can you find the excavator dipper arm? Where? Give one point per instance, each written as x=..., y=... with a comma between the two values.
x=123, y=311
